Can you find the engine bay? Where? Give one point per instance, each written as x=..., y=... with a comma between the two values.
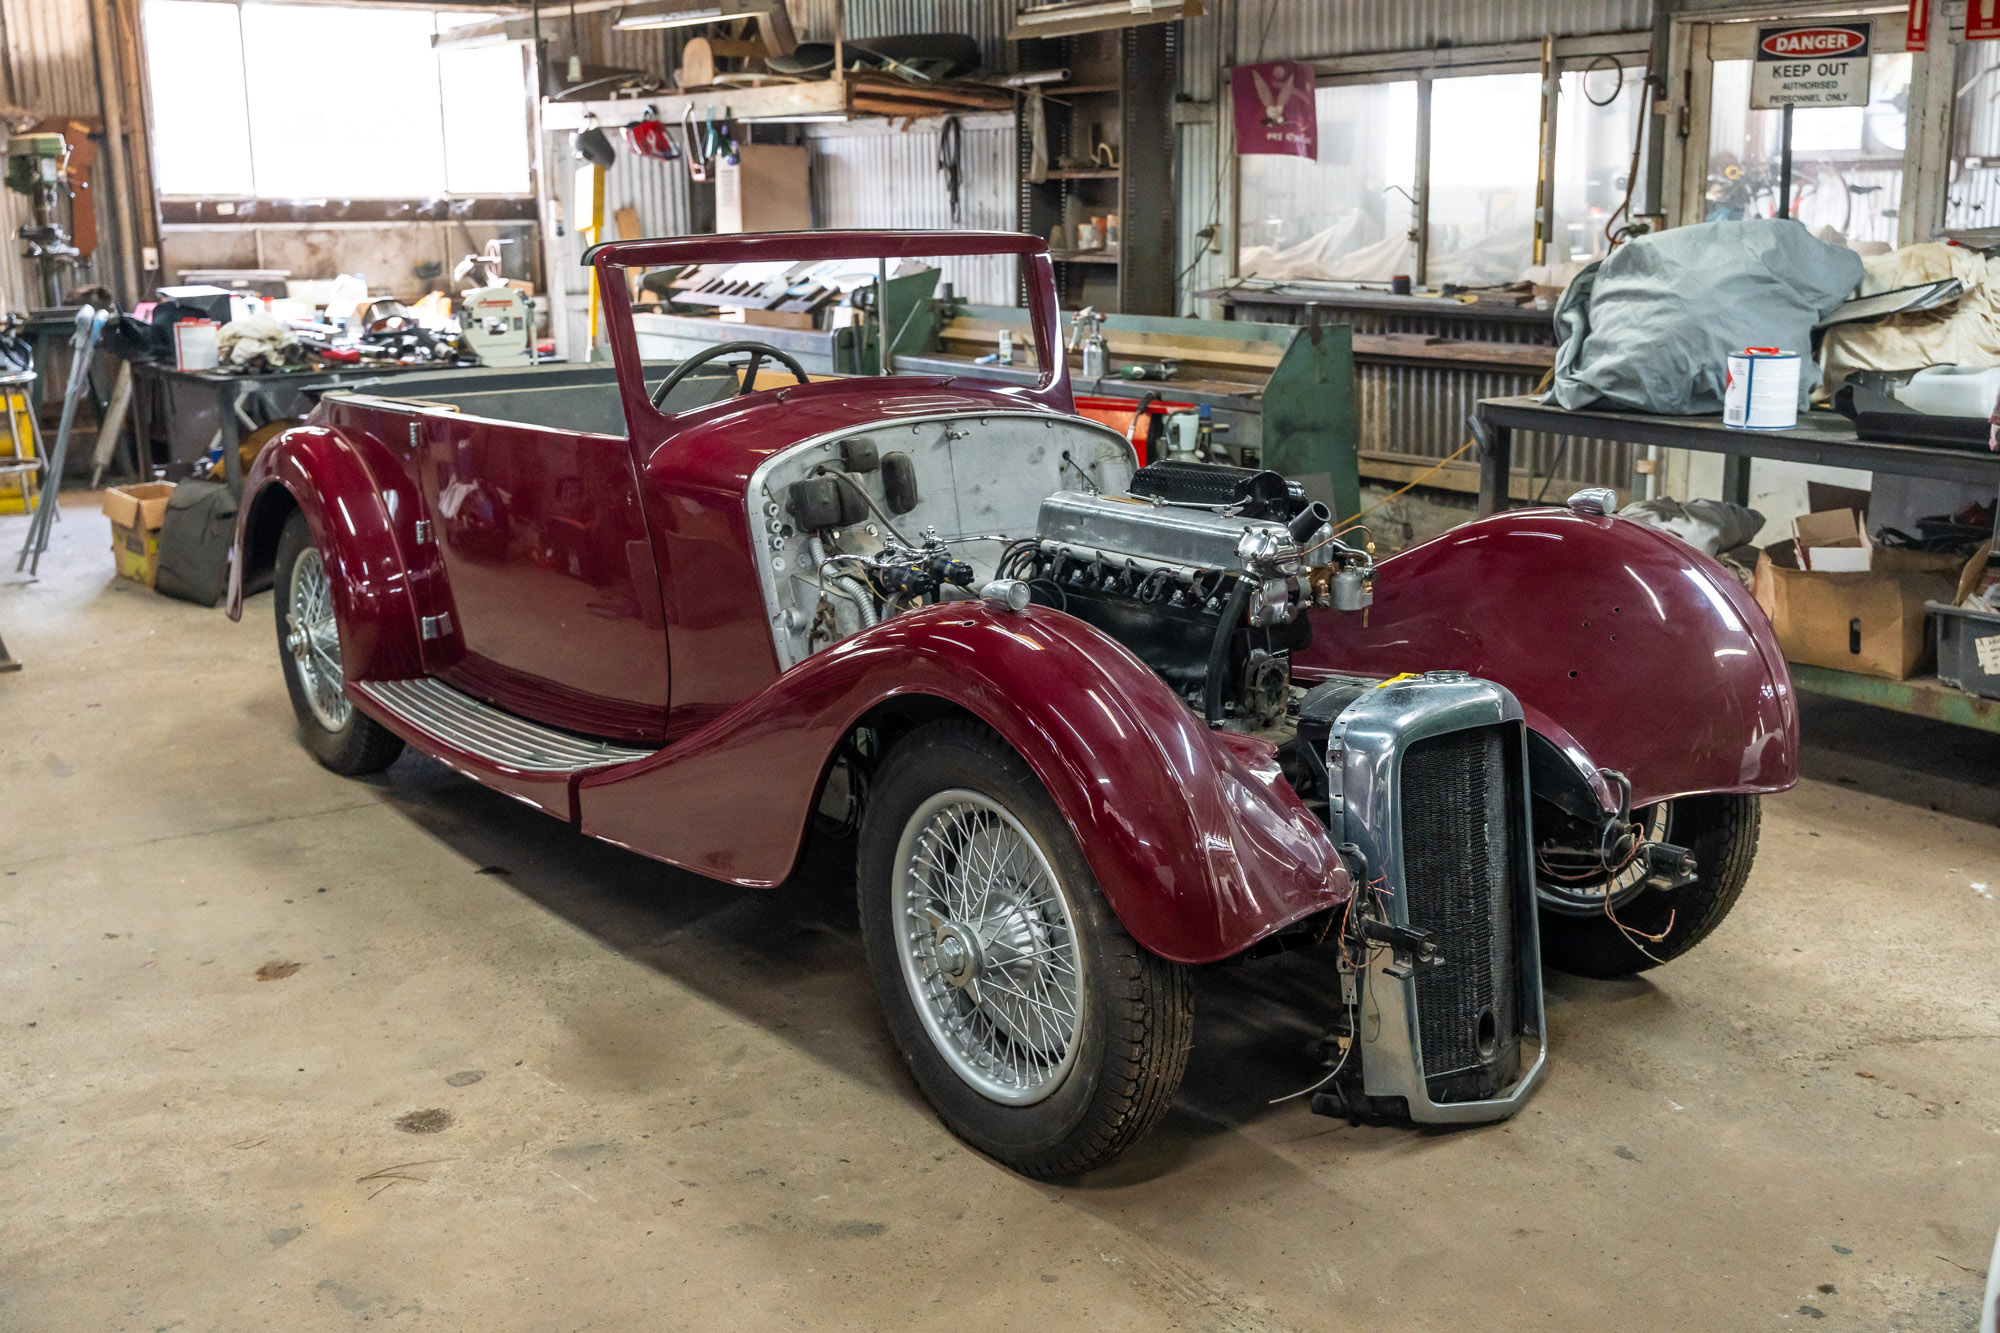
x=1204, y=572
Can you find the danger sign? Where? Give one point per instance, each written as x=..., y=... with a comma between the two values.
x=1825, y=64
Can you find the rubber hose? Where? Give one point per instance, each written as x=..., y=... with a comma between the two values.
x=864, y=601
x=1233, y=613
x=1305, y=524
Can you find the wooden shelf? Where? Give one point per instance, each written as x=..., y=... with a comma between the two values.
x=1084, y=256
x=1095, y=174
x=1078, y=89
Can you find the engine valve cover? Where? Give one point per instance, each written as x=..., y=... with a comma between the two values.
x=1165, y=534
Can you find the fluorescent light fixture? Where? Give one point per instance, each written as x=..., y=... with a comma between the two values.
x=685, y=15
x=1063, y=17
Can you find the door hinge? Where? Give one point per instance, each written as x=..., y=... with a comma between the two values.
x=423, y=532
x=437, y=626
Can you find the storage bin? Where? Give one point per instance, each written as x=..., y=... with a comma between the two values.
x=1968, y=649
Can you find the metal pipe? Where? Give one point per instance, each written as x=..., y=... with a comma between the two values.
x=1785, y=163
x=114, y=143
x=1545, y=153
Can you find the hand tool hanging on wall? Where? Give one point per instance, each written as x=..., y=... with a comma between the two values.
x=948, y=162
x=697, y=156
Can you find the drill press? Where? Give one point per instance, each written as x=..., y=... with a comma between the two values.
x=38, y=166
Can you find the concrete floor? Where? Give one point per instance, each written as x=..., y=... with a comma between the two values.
x=666, y=1104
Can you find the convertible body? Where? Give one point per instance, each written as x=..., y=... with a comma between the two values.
x=690, y=619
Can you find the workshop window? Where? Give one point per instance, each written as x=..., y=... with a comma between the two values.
x=379, y=114
x=1973, y=197
x=1485, y=132
x=1352, y=215
x=1847, y=162
x=1599, y=180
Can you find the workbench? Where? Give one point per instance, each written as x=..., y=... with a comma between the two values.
x=1820, y=437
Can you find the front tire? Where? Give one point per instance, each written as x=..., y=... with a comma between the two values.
x=339, y=735
x=1041, y=1032
x=1721, y=831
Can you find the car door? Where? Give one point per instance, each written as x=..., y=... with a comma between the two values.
x=553, y=583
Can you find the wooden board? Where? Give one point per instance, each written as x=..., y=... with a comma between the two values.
x=1462, y=351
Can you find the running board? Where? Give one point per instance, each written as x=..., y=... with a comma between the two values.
x=488, y=733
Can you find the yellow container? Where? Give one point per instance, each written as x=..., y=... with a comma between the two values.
x=14, y=489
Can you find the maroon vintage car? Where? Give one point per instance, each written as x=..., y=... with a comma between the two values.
x=1092, y=724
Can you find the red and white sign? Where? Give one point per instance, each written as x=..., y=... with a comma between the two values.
x=1811, y=43
x=1982, y=20
x=1917, y=34
x=1812, y=65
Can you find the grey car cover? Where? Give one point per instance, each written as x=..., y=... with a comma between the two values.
x=1650, y=326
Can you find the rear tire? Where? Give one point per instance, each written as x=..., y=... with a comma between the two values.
x=339, y=735
x=1721, y=831
x=1041, y=1032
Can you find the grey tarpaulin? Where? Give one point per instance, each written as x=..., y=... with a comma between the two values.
x=1650, y=326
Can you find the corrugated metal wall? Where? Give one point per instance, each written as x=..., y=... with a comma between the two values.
x=1201, y=172
x=649, y=49
x=49, y=62
x=1304, y=29
x=1418, y=412
x=873, y=174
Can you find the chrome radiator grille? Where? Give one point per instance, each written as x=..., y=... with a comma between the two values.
x=1458, y=875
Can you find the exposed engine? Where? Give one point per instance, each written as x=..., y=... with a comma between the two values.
x=1204, y=572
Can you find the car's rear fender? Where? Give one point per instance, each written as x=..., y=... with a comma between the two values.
x=1200, y=845
x=362, y=513
x=1627, y=648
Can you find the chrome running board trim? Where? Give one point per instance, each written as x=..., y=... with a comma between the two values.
x=491, y=734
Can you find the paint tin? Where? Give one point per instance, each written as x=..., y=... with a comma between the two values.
x=1761, y=389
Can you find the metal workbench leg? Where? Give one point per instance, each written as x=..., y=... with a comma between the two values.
x=232, y=435
x=1496, y=463
x=1736, y=479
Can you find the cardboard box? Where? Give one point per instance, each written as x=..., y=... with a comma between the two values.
x=136, y=513
x=1834, y=542
x=1838, y=600
x=765, y=189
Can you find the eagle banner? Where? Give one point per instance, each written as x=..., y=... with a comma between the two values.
x=1274, y=109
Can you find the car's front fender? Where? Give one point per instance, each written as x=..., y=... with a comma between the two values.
x=1622, y=643
x=353, y=510
x=1200, y=845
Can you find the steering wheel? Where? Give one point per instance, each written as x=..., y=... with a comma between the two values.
x=757, y=352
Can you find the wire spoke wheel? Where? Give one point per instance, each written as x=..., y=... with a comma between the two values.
x=313, y=639
x=988, y=947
